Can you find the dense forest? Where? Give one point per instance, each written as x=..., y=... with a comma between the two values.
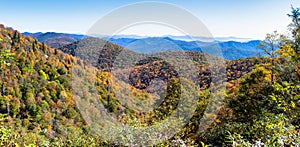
x=47, y=93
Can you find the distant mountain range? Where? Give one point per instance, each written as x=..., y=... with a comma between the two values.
x=55, y=40
x=183, y=38
x=229, y=48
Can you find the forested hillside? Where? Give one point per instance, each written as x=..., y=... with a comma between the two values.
x=37, y=104
x=55, y=40
x=46, y=93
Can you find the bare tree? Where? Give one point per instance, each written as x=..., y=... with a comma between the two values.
x=269, y=45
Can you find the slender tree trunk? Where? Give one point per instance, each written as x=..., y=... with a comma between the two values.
x=2, y=85
x=8, y=108
x=2, y=89
x=272, y=70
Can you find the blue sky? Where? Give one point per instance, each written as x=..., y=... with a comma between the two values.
x=247, y=19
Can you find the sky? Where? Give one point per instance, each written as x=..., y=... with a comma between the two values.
x=223, y=18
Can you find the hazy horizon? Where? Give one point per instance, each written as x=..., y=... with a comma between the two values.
x=241, y=19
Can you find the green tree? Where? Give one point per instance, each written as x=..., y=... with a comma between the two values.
x=295, y=27
x=251, y=99
x=5, y=56
x=286, y=94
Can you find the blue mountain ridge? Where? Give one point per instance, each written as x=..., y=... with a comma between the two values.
x=230, y=50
